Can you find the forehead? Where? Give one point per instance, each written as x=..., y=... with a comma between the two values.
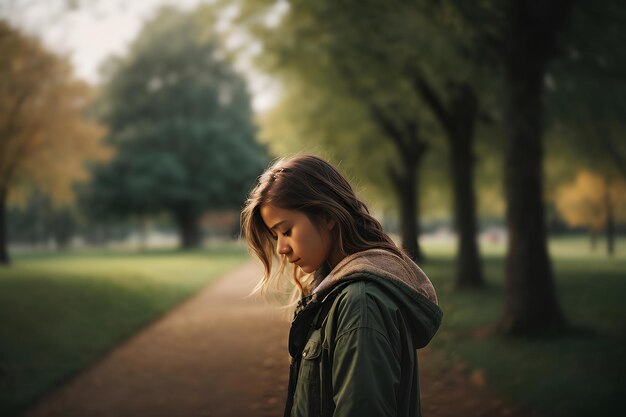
x=272, y=215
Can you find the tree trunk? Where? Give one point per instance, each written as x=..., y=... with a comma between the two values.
x=411, y=149
x=610, y=222
x=463, y=112
x=530, y=303
x=188, y=230
x=468, y=273
x=405, y=185
x=531, y=306
x=458, y=120
x=593, y=239
x=4, y=253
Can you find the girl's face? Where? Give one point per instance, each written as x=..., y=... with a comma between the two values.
x=299, y=240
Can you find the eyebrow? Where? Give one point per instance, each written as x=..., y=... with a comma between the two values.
x=278, y=224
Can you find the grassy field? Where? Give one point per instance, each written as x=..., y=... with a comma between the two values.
x=61, y=312
x=579, y=374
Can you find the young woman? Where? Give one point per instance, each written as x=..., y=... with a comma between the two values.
x=364, y=307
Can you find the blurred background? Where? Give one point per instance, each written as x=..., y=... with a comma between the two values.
x=489, y=138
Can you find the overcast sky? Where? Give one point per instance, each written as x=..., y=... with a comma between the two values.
x=99, y=28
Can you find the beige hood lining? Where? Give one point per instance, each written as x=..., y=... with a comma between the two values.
x=384, y=264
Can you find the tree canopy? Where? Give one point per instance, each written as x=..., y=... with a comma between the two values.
x=180, y=119
x=594, y=202
x=45, y=137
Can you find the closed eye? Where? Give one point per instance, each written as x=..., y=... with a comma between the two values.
x=287, y=233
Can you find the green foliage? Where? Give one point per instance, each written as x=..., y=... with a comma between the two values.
x=586, y=93
x=60, y=313
x=337, y=59
x=180, y=119
x=337, y=66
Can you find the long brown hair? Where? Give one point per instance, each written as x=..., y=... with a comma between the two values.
x=311, y=185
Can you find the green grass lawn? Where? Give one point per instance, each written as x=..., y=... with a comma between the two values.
x=61, y=312
x=579, y=374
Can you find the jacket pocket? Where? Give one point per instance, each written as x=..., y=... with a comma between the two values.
x=307, y=399
x=313, y=347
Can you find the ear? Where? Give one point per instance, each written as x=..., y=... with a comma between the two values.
x=329, y=222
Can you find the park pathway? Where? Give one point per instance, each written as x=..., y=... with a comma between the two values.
x=222, y=354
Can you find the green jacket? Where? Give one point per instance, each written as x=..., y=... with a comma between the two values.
x=353, y=341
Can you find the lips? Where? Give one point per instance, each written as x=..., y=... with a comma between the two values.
x=294, y=261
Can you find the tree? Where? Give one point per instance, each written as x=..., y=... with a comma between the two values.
x=382, y=56
x=586, y=92
x=179, y=117
x=458, y=108
x=45, y=138
x=593, y=202
x=586, y=99
x=332, y=65
x=531, y=305
x=523, y=37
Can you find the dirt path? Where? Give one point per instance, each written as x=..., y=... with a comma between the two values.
x=221, y=354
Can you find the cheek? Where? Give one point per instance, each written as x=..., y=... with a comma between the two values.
x=319, y=245
x=310, y=243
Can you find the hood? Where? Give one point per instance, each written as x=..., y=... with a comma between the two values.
x=402, y=277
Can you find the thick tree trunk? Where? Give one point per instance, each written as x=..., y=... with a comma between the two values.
x=458, y=119
x=531, y=306
x=464, y=112
x=188, y=230
x=405, y=185
x=4, y=253
x=411, y=149
x=468, y=272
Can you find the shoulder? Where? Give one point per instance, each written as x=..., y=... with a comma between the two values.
x=364, y=289
x=364, y=304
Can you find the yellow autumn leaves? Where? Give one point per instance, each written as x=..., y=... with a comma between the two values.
x=590, y=199
x=45, y=138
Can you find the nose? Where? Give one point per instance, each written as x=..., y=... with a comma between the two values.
x=282, y=247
